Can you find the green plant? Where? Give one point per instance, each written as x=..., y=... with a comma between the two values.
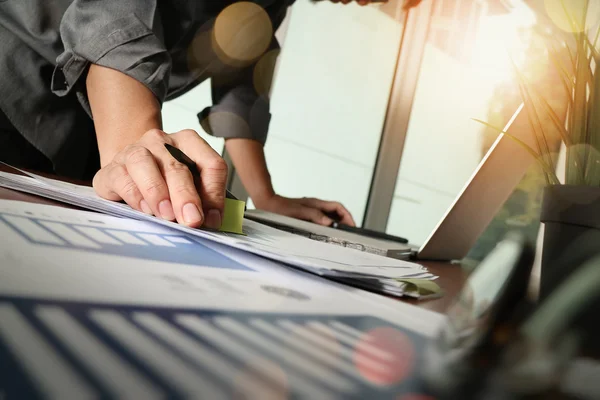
x=580, y=79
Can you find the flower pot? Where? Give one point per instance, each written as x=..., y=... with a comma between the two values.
x=569, y=213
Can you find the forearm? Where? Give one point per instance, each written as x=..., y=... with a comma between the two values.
x=249, y=159
x=123, y=110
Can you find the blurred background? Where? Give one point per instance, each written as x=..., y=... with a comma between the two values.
x=345, y=71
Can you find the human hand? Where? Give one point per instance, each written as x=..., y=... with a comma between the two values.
x=149, y=179
x=308, y=209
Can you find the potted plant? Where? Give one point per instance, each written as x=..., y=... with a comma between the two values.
x=571, y=206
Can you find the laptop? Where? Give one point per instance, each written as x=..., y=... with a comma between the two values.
x=466, y=219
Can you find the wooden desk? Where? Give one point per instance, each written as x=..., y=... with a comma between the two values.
x=451, y=276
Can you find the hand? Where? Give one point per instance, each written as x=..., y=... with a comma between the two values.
x=149, y=179
x=309, y=209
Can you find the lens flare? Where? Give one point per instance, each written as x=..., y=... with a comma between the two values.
x=568, y=15
x=385, y=356
x=242, y=33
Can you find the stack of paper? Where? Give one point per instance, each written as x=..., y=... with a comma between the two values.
x=367, y=270
x=95, y=306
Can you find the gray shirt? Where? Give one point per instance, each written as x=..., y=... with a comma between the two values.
x=46, y=47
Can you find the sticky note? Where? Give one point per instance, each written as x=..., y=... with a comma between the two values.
x=421, y=287
x=233, y=216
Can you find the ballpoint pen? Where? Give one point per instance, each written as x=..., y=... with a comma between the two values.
x=188, y=162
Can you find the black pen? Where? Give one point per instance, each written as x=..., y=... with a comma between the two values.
x=188, y=162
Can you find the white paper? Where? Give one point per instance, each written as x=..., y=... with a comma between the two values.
x=316, y=257
x=195, y=273
x=201, y=316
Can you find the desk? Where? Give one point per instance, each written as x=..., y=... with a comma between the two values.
x=451, y=276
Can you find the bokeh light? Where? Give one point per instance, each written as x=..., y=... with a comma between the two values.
x=398, y=362
x=242, y=33
x=199, y=59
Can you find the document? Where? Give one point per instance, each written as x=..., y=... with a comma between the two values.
x=97, y=306
x=320, y=258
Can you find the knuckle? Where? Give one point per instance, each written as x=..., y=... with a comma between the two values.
x=116, y=172
x=155, y=135
x=137, y=154
x=218, y=164
x=174, y=166
x=129, y=189
x=182, y=189
x=189, y=133
x=155, y=187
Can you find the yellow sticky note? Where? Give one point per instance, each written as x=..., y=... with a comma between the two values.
x=233, y=216
x=422, y=287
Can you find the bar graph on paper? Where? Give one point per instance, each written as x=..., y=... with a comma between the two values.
x=77, y=350
x=94, y=236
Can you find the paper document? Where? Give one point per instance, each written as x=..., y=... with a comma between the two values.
x=331, y=235
x=95, y=306
x=320, y=258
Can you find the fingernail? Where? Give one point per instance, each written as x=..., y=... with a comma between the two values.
x=213, y=219
x=191, y=214
x=166, y=210
x=145, y=207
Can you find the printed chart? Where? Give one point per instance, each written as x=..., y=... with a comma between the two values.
x=79, y=350
x=95, y=236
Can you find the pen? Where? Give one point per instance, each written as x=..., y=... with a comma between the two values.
x=188, y=162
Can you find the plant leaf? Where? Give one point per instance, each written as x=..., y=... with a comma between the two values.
x=579, y=110
x=538, y=130
x=564, y=134
x=593, y=127
x=565, y=77
x=551, y=177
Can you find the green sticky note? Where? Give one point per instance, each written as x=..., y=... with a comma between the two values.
x=421, y=287
x=233, y=216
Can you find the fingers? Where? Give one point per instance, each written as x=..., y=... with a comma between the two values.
x=139, y=163
x=182, y=197
x=149, y=179
x=213, y=174
x=331, y=206
x=313, y=215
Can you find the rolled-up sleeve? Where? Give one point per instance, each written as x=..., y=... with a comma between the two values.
x=122, y=35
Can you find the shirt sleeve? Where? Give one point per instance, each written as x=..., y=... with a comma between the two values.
x=241, y=99
x=122, y=35
x=241, y=104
